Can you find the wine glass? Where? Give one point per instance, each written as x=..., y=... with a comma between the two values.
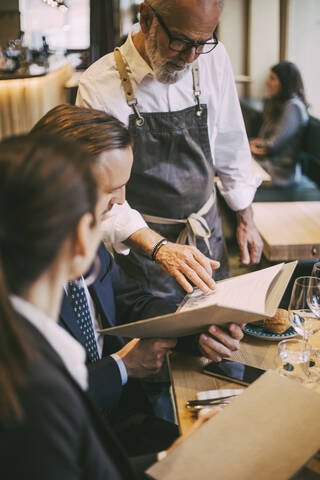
x=316, y=270
x=313, y=299
x=313, y=296
x=303, y=318
x=305, y=294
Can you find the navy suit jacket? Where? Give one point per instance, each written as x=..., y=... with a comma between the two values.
x=117, y=299
x=60, y=434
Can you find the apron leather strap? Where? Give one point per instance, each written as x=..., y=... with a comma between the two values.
x=195, y=225
x=124, y=70
x=127, y=87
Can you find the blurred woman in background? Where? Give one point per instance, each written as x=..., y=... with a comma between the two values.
x=278, y=145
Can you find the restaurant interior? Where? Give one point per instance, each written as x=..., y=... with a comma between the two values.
x=272, y=430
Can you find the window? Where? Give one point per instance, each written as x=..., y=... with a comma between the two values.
x=63, y=30
x=303, y=47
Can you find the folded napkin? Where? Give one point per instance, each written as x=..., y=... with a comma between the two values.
x=225, y=392
x=213, y=394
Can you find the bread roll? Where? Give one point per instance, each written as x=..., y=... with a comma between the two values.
x=279, y=323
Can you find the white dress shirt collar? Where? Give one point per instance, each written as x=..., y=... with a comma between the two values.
x=69, y=350
x=138, y=66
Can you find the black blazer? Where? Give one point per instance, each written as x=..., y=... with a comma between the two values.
x=60, y=436
x=118, y=299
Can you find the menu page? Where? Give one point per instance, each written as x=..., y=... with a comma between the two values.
x=245, y=292
x=266, y=433
x=242, y=299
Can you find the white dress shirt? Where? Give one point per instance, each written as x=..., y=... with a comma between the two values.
x=69, y=350
x=100, y=88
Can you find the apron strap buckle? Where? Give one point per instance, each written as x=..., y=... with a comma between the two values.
x=139, y=118
x=199, y=110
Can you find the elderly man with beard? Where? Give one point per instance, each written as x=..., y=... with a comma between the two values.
x=171, y=83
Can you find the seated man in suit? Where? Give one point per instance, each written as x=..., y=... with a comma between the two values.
x=106, y=301
x=115, y=367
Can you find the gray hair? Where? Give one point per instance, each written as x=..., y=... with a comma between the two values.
x=164, y=6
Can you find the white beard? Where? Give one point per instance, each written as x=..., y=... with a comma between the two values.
x=163, y=70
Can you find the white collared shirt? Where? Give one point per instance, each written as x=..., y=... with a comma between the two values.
x=100, y=88
x=69, y=350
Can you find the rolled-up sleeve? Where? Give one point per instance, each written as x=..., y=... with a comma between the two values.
x=121, y=222
x=231, y=147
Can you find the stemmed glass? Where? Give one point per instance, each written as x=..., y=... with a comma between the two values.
x=304, y=314
x=314, y=304
x=313, y=297
x=316, y=270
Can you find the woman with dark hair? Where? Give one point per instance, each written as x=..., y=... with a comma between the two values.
x=285, y=115
x=50, y=206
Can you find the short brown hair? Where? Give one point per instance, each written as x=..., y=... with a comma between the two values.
x=97, y=131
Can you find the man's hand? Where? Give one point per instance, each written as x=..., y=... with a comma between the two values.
x=198, y=424
x=248, y=238
x=181, y=261
x=144, y=357
x=184, y=261
x=220, y=344
x=256, y=147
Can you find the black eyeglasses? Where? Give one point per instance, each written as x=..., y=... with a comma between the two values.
x=180, y=45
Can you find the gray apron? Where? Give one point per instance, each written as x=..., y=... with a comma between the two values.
x=172, y=185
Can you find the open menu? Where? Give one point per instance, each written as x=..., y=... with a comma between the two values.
x=243, y=299
x=268, y=432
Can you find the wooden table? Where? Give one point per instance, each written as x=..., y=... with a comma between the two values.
x=290, y=230
x=187, y=378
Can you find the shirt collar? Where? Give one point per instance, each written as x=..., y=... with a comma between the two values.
x=69, y=350
x=138, y=66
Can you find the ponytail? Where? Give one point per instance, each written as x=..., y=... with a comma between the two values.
x=13, y=356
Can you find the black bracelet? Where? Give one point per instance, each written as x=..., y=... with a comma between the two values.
x=157, y=246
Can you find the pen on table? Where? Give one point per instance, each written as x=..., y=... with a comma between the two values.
x=208, y=401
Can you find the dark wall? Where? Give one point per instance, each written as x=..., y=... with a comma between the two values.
x=102, y=29
x=9, y=21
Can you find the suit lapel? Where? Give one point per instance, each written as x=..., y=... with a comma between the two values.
x=102, y=289
x=103, y=296
x=113, y=449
